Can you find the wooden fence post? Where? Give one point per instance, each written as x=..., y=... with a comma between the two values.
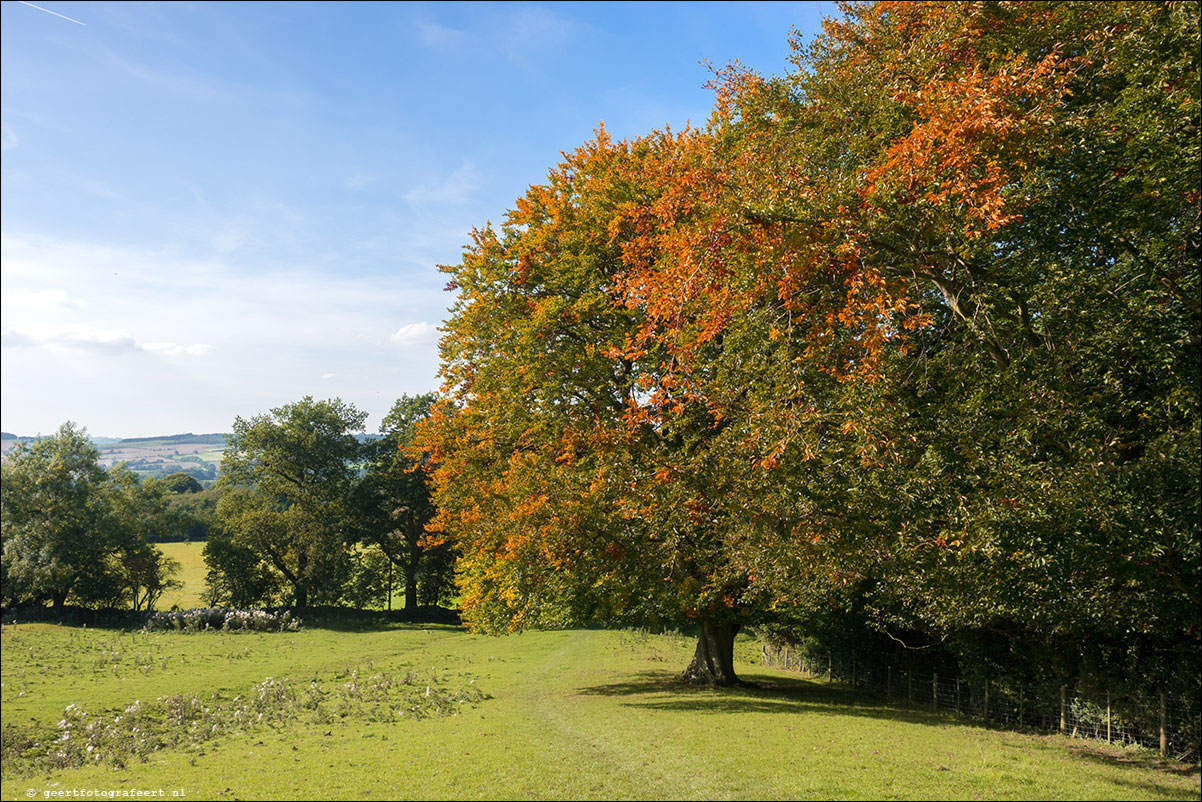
x=1063, y=709
x=986, y=699
x=853, y=671
x=1164, y=724
x=957, y=696
x=910, y=686
x=1020, y=706
x=889, y=682
x=830, y=671
x=935, y=692
x=1107, y=716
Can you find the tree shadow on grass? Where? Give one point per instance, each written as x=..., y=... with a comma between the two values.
x=765, y=693
x=758, y=693
x=341, y=619
x=1107, y=755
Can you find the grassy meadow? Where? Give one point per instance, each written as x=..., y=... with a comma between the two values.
x=550, y=715
x=192, y=575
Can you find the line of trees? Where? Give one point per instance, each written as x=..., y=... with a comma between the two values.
x=902, y=345
x=75, y=533
x=307, y=512
x=311, y=514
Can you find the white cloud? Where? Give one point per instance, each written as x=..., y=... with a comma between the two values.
x=326, y=376
x=171, y=341
x=15, y=339
x=414, y=334
x=40, y=300
x=174, y=350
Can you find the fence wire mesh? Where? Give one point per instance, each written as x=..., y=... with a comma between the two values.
x=1171, y=725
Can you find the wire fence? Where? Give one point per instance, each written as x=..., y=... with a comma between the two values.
x=1153, y=720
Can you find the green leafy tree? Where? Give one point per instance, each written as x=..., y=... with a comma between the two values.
x=74, y=532
x=393, y=506
x=286, y=481
x=180, y=483
x=238, y=576
x=140, y=516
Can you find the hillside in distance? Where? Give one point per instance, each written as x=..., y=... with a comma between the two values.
x=198, y=455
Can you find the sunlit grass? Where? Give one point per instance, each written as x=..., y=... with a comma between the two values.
x=192, y=574
x=577, y=714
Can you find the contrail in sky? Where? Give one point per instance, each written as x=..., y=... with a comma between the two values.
x=55, y=13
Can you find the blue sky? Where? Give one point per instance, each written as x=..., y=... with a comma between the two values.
x=213, y=209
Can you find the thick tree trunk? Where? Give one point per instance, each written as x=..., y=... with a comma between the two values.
x=714, y=661
x=410, y=593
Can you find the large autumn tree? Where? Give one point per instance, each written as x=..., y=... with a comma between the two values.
x=915, y=325
x=946, y=275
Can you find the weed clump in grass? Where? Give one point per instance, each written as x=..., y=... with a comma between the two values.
x=219, y=618
x=187, y=720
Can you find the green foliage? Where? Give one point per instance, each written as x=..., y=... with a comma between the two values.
x=238, y=576
x=286, y=481
x=76, y=533
x=1021, y=476
x=181, y=483
x=910, y=334
x=392, y=506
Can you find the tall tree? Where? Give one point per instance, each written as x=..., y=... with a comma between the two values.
x=941, y=282
x=572, y=499
x=287, y=479
x=915, y=324
x=393, y=505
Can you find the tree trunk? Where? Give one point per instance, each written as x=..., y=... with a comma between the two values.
x=713, y=662
x=301, y=596
x=410, y=593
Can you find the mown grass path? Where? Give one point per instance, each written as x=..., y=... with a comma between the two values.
x=577, y=714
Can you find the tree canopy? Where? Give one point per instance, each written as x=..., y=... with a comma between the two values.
x=76, y=533
x=913, y=327
x=286, y=479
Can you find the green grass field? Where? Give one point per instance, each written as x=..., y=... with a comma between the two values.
x=192, y=574
x=572, y=714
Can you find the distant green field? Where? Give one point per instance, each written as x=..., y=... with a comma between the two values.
x=192, y=574
x=582, y=714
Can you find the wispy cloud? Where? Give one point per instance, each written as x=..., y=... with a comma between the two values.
x=455, y=189
x=8, y=138
x=359, y=180
x=530, y=30
x=104, y=341
x=441, y=37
